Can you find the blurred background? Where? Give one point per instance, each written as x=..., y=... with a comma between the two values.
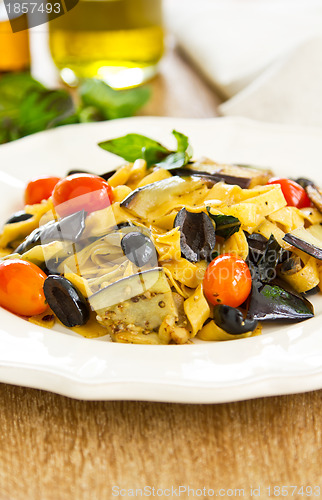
x=260, y=59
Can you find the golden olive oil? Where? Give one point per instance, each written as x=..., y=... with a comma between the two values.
x=14, y=47
x=119, y=41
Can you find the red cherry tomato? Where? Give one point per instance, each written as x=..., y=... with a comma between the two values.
x=40, y=189
x=294, y=194
x=227, y=281
x=81, y=192
x=21, y=287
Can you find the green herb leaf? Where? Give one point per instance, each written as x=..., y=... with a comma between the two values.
x=134, y=146
x=226, y=225
x=90, y=114
x=174, y=160
x=13, y=88
x=112, y=103
x=182, y=140
x=12, y=91
x=26, y=106
x=44, y=109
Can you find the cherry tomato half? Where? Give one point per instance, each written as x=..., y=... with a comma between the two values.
x=227, y=281
x=21, y=287
x=40, y=189
x=294, y=194
x=81, y=192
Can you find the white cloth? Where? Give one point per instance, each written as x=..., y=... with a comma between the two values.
x=288, y=92
x=268, y=52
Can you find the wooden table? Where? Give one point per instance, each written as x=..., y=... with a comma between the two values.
x=55, y=448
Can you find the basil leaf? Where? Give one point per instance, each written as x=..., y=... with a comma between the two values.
x=12, y=92
x=182, y=141
x=226, y=225
x=8, y=130
x=44, y=109
x=13, y=88
x=26, y=106
x=90, y=114
x=112, y=103
x=174, y=160
x=134, y=146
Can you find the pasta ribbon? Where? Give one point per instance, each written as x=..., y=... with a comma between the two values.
x=121, y=176
x=212, y=332
x=102, y=221
x=247, y=213
x=197, y=309
x=288, y=218
x=305, y=279
x=186, y=272
x=15, y=233
x=120, y=192
x=268, y=201
x=168, y=245
x=267, y=228
x=158, y=174
x=236, y=244
x=229, y=193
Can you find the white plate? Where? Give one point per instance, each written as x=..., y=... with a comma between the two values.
x=285, y=359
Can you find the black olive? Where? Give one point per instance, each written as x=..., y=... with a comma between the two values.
x=105, y=176
x=302, y=181
x=69, y=305
x=18, y=217
x=197, y=235
x=121, y=225
x=232, y=321
x=138, y=248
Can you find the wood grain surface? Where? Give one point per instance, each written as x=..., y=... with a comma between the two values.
x=55, y=448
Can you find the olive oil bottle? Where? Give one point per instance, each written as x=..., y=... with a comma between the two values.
x=118, y=41
x=14, y=47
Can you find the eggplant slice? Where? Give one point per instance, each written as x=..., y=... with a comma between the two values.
x=257, y=244
x=305, y=241
x=144, y=200
x=315, y=196
x=69, y=228
x=313, y=192
x=137, y=303
x=269, y=260
x=277, y=301
x=243, y=175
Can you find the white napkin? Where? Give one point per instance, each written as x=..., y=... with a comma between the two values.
x=288, y=92
x=232, y=41
x=269, y=48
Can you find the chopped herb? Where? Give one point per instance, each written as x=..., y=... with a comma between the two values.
x=226, y=225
